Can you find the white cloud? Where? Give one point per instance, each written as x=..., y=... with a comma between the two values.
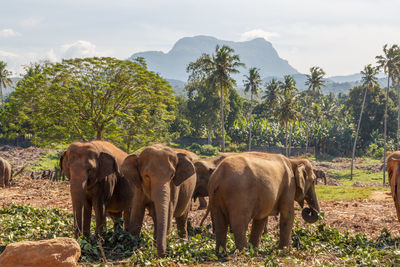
x=31, y=22
x=257, y=33
x=8, y=33
x=81, y=49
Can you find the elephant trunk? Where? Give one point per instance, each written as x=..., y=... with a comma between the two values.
x=310, y=214
x=78, y=189
x=161, y=198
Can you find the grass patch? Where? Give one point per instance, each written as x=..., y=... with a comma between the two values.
x=364, y=176
x=325, y=192
x=49, y=161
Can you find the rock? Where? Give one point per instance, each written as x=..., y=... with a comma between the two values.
x=53, y=252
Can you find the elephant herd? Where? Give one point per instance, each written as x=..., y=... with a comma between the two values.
x=242, y=188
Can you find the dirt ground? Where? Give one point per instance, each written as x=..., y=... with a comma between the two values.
x=367, y=216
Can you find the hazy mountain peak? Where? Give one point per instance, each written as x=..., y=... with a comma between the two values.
x=254, y=53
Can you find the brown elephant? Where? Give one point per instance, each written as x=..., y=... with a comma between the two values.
x=5, y=172
x=393, y=168
x=95, y=182
x=253, y=186
x=320, y=174
x=164, y=181
x=204, y=169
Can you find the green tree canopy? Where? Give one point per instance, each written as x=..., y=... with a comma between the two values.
x=82, y=99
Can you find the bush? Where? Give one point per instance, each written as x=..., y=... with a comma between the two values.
x=237, y=147
x=209, y=150
x=374, y=151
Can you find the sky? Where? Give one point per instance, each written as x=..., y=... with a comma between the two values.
x=341, y=36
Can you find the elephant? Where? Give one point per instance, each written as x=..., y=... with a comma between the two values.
x=204, y=169
x=5, y=172
x=251, y=187
x=164, y=180
x=320, y=174
x=95, y=182
x=393, y=168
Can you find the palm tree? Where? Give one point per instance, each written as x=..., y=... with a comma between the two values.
x=369, y=80
x=218, y=68
x=5, y=80
x=315, y=81
x=271, y=96
x=287, y=111
x=252, y=84
x=388, y=62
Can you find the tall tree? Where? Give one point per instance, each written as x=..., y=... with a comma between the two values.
x=287, y=111
x=216, y=70
x=272, y=95
x=315, y=81
x=389, y=63
x=369, y=80
x=5, y=80
x=252, y=84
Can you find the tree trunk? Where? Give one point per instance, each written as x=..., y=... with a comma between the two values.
x=290, y=137
x=250, y=124
x=209, y=139
x=355, y=138
x=98, y=135
x=398, y=116
x=222, y=120
x=385, y=129
x=286, y=139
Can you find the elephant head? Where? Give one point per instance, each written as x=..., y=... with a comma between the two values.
x=204, y=169
x=86, y=167
x=393, y=164
x=155, y=170
x=305, y=188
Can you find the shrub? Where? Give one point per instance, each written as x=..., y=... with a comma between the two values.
x=209, y=150
x=374, y=151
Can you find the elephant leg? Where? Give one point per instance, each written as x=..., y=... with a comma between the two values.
x=239, y=231
x=220, y=225
x=100, y=212
x=285, y=227
x=87, y=216
x=203, y=203
x=170, y=216
x=127, y=216
x=256, y=231
x=181, y=223
x=137, y=213
x=266, y=226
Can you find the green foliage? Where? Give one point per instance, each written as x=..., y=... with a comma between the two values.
x=49, y=161
x=309, y=241
x=374, y=151
x=102, y=98
x=204, y=150
x=20, y=222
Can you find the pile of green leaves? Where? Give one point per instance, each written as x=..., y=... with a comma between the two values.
x=20, y=223
x=316, y=244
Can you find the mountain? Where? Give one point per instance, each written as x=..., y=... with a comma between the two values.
x=255, y=53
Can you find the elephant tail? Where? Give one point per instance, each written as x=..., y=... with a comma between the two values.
x=206, y=215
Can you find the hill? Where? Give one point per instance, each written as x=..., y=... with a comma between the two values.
x=255, y=53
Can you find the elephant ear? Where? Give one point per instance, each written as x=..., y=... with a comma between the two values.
x=130, y=170
x=63, y=164
x=202, y=166
x=106, y=165
x=300, y=176
x=184, y=169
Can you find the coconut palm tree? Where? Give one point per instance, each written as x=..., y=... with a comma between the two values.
x=5, y=80
x=287, y=111
x=219, y=67
x=252, y=84
x=315, y=81
x=388, y=62
x=271, y=96
x=369, y=80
